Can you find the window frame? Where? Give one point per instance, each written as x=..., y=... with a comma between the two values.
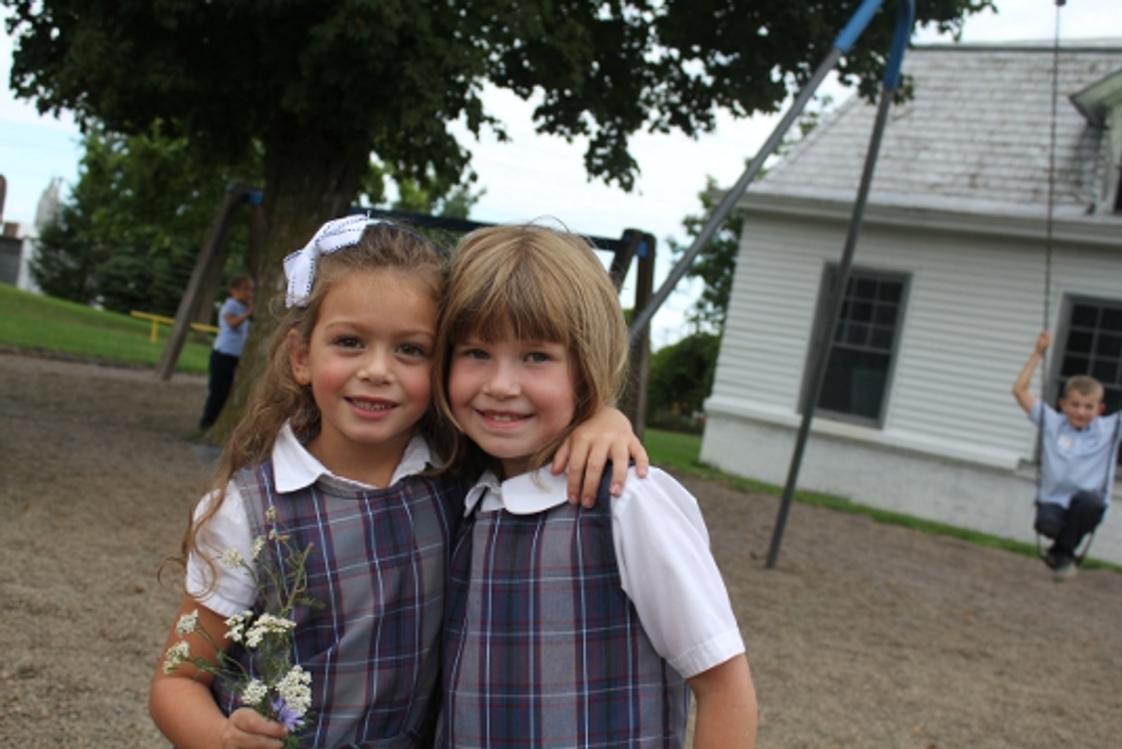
x=822, y=307
x=1054, y=381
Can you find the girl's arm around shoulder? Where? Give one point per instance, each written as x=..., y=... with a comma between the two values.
x=180, y=701
x=607, y=436
x=670, y=575
x=726, y=706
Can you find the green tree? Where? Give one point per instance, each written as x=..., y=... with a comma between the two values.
x=681, y=378
x=127, y=236
x=64, y=264
x=453, y=202
x=434, y=195
x=715, y=265
x=322, y=85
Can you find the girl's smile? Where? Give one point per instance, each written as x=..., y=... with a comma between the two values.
x=372, y=409
x=502, y=419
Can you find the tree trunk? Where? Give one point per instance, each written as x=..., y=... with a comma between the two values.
x=308, y=180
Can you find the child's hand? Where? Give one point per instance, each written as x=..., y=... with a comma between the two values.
x=245, y=729
x=1043, y=342
x=606, y=436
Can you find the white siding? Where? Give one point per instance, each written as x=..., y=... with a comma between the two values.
x=771, y=311
x=973, y=307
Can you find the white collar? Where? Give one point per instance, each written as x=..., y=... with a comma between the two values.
x=295, y=468
x=525, y=494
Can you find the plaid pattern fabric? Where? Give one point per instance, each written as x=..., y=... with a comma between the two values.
x=543, y=648
x=378, y=565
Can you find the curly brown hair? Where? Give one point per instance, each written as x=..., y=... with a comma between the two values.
x=277, y=397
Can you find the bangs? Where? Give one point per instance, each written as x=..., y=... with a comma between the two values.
x=522, y=300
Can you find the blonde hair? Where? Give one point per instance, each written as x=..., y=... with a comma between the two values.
x=536, y=284
x=1084, y=385
x=277, y=397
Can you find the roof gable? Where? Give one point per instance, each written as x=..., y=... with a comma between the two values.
x=1096, y=101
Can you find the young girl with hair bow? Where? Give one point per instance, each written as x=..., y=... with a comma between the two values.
x=334, y=453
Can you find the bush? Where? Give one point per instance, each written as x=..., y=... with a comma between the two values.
x=681, y=378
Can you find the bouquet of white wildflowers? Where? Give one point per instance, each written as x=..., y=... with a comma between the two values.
x=274, y=687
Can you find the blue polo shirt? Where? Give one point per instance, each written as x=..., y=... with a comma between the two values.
x=231, y=340
x=1073, y=459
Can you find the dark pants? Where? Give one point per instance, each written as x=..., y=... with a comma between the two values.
x=222, y=367
x=1067, y=527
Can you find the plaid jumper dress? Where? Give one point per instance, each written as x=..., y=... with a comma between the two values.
x=378, y=565
x=542, y=647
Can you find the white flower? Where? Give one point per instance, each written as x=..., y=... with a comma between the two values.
x=235, y=626
x=187, y=623
x=295, y=689
x=254, y=692
x=175, y=655
x=258, y=545
x=267, y=624
x=232, y=558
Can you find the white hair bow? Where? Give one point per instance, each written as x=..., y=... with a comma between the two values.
x=300, y=266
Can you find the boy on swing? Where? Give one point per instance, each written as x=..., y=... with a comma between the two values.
x=1077, y=460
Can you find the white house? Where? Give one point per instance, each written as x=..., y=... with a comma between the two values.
x=948, y=289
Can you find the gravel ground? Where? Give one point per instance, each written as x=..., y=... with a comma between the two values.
x=865, y=636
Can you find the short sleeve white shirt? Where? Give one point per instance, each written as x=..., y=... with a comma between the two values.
x=294, y=468
x=662, y=551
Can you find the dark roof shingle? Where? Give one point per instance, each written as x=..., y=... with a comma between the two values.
x=974, y=136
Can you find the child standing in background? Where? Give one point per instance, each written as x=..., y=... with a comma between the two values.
x=333, y=452
x=233, y=330
x=568, y=626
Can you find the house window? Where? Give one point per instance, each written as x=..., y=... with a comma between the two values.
x=1092, y=345
x=859, y=367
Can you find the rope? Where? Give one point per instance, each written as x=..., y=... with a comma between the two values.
x=1048, y=253
x=1048, y=223
x=1051, y=170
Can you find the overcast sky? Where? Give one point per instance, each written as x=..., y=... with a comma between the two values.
x=537, y=175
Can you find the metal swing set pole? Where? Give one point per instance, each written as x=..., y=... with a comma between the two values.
x=904, y=19
x=842, y=44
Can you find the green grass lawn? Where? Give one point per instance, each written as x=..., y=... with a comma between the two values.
x=31, y=322
x=680, y=453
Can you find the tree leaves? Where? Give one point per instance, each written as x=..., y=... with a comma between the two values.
x=127, y=236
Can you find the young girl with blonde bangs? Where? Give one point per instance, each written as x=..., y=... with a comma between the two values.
x=334, y=454
x=568, y=626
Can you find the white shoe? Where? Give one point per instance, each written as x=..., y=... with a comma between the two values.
x=1064, y=570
